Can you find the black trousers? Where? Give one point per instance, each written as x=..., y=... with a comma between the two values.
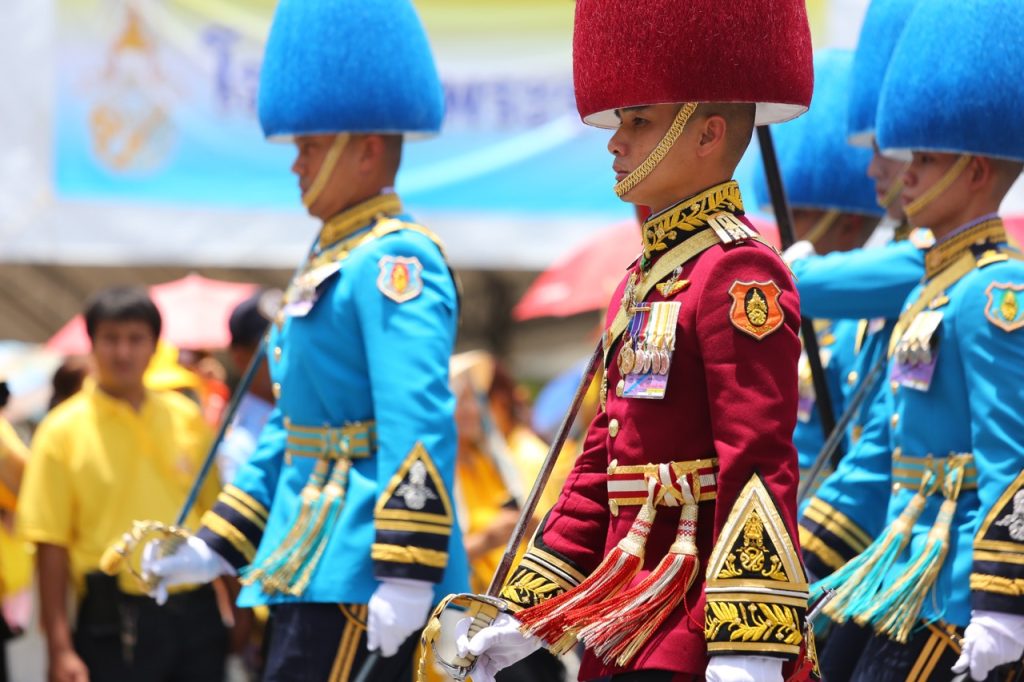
x=540, y=666
x=857, y=654
x=655, y=676
x=327, y=643
x=124, y=638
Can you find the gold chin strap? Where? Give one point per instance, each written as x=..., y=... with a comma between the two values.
x=326, y=169
x=918, y=205
x=894, y=192
x=627, y=183
x=826, y=222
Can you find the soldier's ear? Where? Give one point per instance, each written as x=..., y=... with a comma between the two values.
x=711, y=135
x=979, y=172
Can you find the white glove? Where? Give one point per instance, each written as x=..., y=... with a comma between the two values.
x=496, y=646
x=398, y=608
x=991, y=639
x=744, y=669
x=798, y=250
x=192, y=562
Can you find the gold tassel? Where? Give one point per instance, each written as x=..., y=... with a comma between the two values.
x=857, y=583
x=895, y=613
x=267, y=572
x=316, y=542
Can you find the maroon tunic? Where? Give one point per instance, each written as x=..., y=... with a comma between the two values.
x=731, y=395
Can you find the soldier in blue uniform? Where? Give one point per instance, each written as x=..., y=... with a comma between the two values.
x=342, y=520
x=834, y=210
x=952, y=410
x=866, y=288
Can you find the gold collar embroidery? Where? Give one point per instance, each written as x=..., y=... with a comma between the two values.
x=359, y=216
x=947, y=251
x=662, y=230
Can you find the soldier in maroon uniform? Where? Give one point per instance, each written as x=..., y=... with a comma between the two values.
x=672, y=552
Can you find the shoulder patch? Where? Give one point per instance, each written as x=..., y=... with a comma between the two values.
x=416, y=493
x=400, y=278
x=755, y=308
x=1003, y=308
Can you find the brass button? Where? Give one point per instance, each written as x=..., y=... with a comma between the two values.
x=277, y=353
x=613, y=428
x=620, y=387
x=851, y=378
x=894, y=386
x=896, y=487
x=895, y=420
x=276, y=389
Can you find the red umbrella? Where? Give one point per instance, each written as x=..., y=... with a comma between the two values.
x=1015, y=228
x=195, y=312
x=583, y=280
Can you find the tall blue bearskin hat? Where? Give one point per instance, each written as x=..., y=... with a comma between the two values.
x=883, y=25
x=954, y=82
x=348, y=66
x=819, y=169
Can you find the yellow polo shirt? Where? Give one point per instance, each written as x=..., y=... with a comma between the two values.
x=11, y=448
x=97, y=465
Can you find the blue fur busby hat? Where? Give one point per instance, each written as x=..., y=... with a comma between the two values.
x=883, y=25
x=954, y=83
x=819, y=169
x=357, y=66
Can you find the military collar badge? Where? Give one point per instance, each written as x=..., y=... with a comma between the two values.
x=1004, y=308
x=755, y=308
x=664, y=230
x=400, y=278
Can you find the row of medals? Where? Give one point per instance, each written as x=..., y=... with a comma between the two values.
x=642, y=359
x=914, y=352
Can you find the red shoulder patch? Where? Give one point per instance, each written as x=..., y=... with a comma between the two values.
x=755, y=308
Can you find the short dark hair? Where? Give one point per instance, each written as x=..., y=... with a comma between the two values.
x=121, y=304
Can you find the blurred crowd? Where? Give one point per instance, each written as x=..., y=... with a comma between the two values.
x=162, y=405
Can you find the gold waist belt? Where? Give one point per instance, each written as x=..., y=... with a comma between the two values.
x=357, y=440
x=627, y=485
x=910, y=472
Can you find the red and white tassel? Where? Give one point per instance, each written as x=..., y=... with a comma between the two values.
x=547, y=619
x=617, y=629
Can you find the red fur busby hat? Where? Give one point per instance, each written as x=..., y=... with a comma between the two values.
x=646, y=52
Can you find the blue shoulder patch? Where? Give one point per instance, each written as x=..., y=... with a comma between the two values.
x=400, y=277
x=1003, y=309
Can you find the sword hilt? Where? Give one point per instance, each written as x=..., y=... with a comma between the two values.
x=126, y=553
x=482, y=609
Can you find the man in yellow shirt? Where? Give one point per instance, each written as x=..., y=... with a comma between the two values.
x=112, y=453
x=15, y=560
